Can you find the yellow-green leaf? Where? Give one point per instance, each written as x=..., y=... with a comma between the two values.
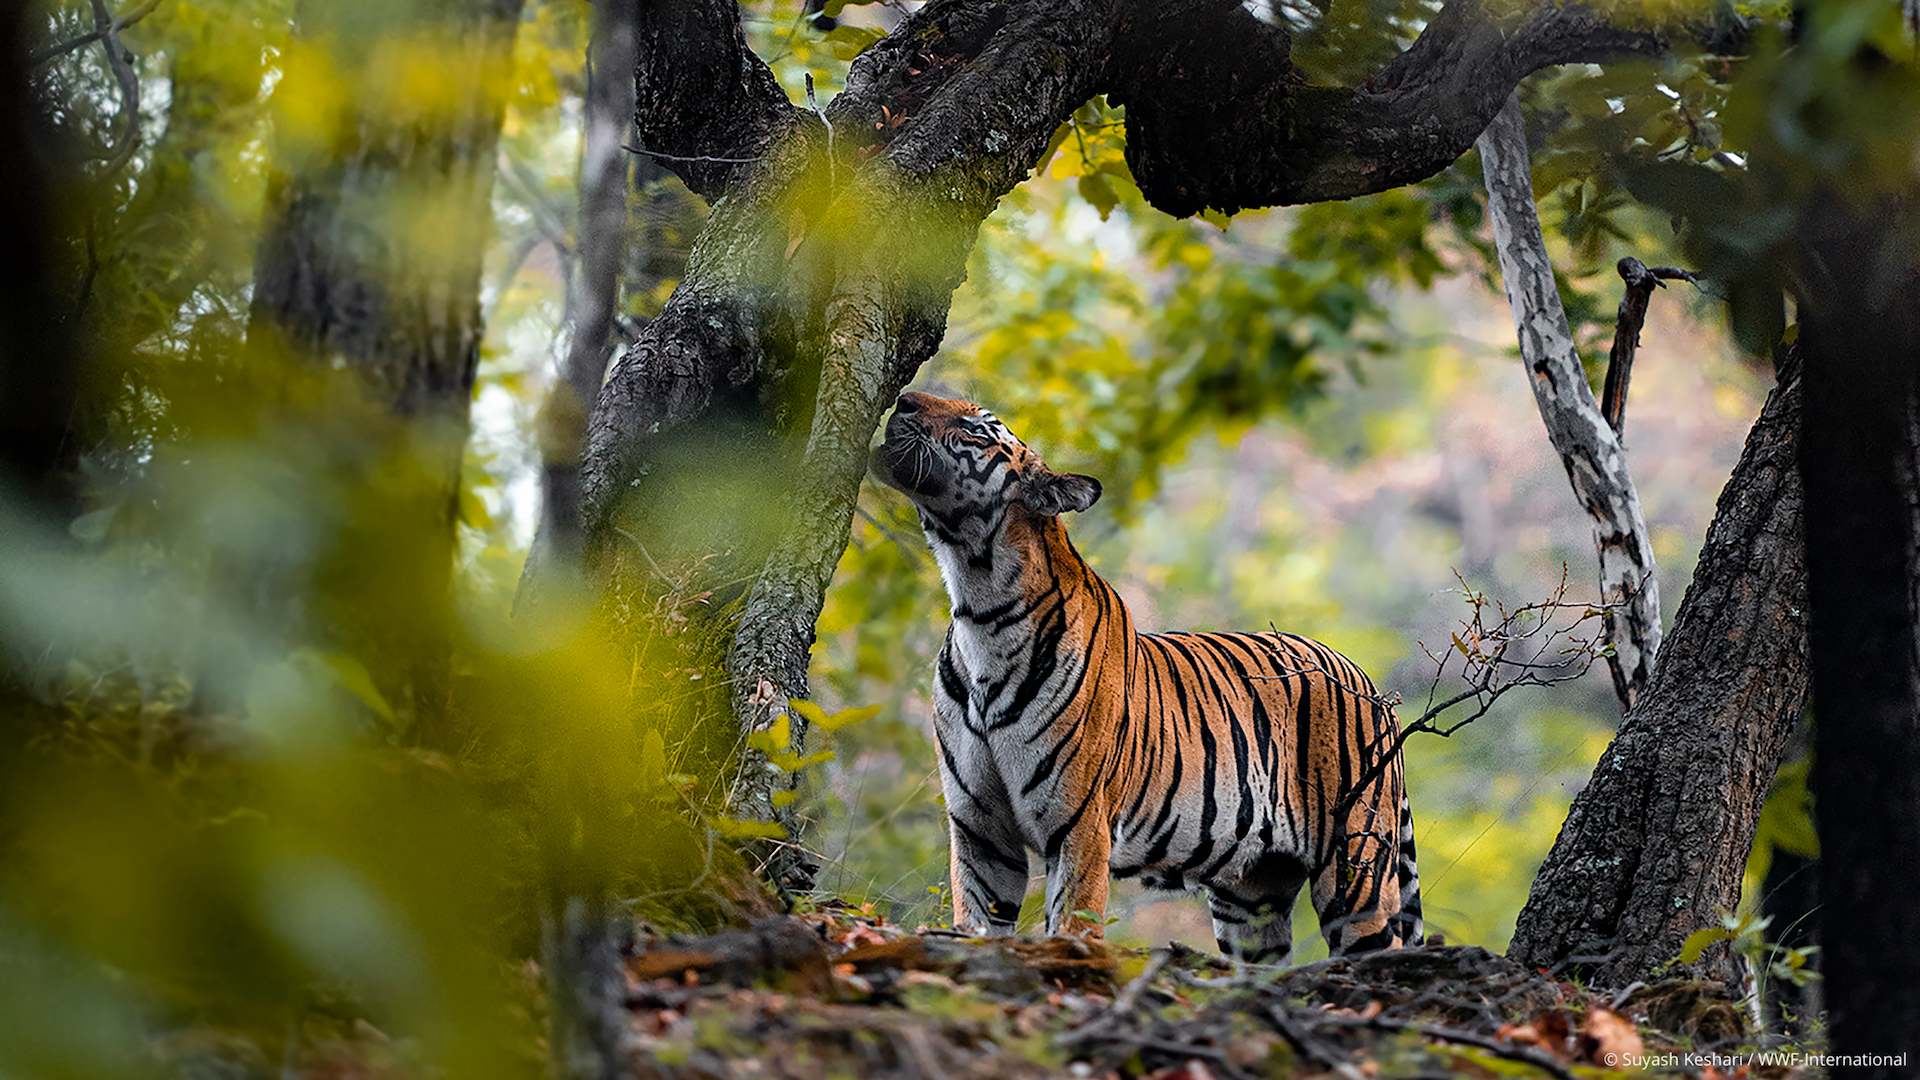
x=1698, y=941
x=811, y=713
x=738, y=829
x=846, y=717
x=775, y=738
x=784, y=798
x=348, y=674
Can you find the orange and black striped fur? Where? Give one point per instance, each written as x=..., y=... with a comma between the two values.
x=1214, y=760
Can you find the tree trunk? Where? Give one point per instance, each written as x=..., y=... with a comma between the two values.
x=1860, y=333
x=368, y=274
x=1655, y=846
x=40, y=362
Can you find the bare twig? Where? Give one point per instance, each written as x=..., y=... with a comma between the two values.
x=1641, y=280
x=631, y=149
x=57, y=51
x=1525, y=647
x=1123, y=1003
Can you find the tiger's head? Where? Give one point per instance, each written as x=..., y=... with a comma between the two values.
x=965, y=471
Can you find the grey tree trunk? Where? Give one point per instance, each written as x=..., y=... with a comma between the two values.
x=600, y=246
x=367, y=277
x=1594, y=456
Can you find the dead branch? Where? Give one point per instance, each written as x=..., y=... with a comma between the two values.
x=1641, y=280
x=1497, y=1047
x=57, y=51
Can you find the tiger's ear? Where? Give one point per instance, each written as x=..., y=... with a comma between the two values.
x=1051, y=493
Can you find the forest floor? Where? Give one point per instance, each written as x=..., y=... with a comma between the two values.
x=839, y=993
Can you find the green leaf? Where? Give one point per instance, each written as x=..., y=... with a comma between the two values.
x=776, y=738
x=91, y=528
x=349, y=675
x=1698, y=941
x=739, y=829
x=1096, y=190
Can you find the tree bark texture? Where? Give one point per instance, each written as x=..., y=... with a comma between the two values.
x=1656, y=845
x=823, y=278
x=369, y=269
x=1595, y=458
x=1859, y=307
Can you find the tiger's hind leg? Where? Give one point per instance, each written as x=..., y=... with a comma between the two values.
x=1253, y=913
x=1368, y=894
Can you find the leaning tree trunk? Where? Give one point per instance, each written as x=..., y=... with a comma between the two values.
x=823, y=278
x=1655, y=846
x=1859, y=308
x=368, y=277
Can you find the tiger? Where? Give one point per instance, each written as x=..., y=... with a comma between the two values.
x=1241, y=764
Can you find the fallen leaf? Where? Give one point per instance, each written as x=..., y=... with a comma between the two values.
x=1614, y=1037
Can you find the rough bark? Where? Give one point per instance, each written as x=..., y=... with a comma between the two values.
x=1859, y=309
x=360, y=276
x=823, y=278
x=1589, y=447
x=1655, y=846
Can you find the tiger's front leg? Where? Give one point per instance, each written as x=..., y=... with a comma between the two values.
x=987, y=859
x=1077, y=877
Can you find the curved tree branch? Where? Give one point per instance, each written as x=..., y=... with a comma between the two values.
x=120, y=61
x=1218, y=117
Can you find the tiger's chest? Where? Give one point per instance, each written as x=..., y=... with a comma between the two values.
x=1012, y=697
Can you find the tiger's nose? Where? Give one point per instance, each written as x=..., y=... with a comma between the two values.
x=912, y=402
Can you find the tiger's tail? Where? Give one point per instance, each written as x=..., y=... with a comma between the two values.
x=1407, y=923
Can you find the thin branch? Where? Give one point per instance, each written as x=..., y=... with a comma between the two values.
x=119, y=59
x=91, y=36
x=704, y=158
x=1496, y=659
x=1497, y=1047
